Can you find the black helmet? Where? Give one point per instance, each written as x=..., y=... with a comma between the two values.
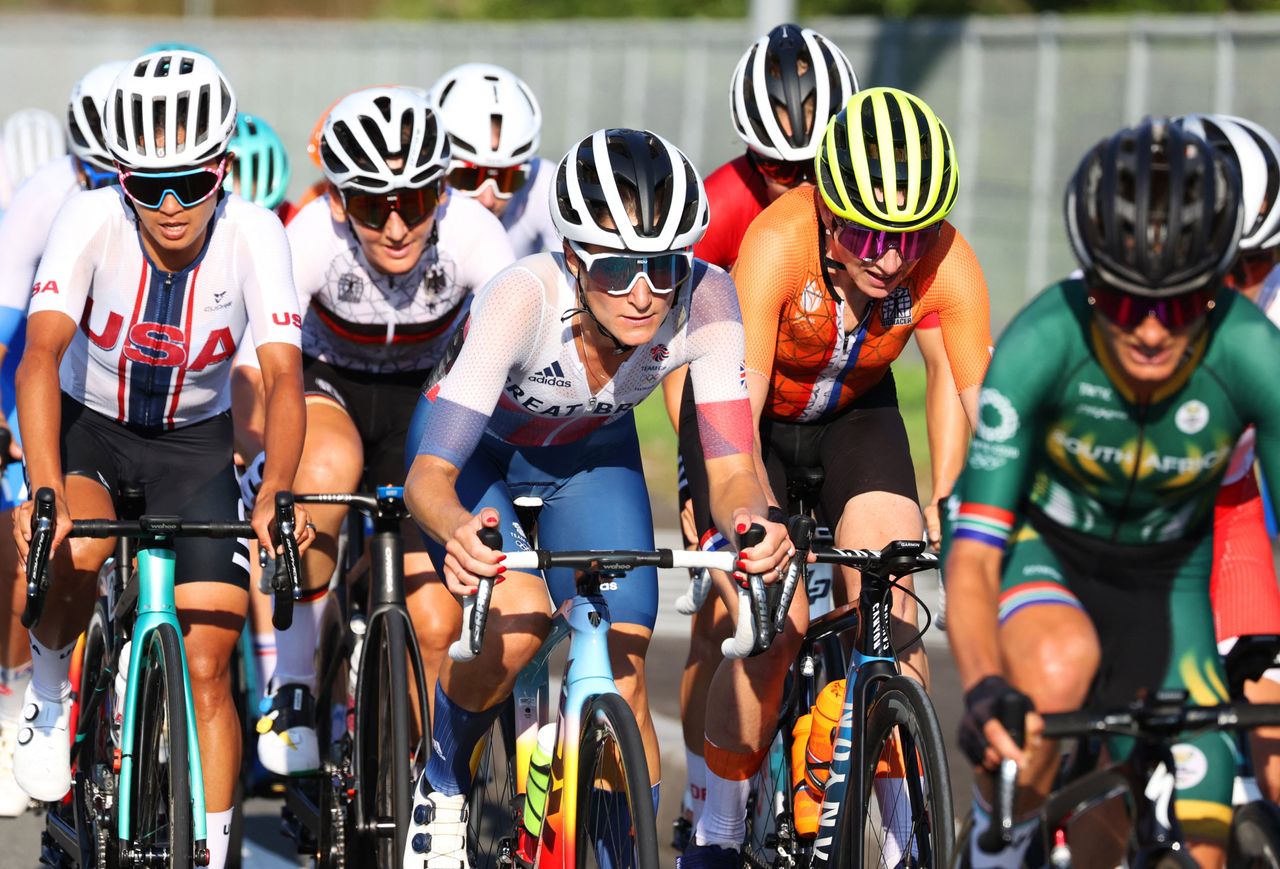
x=619, y=173
x=1156, y=211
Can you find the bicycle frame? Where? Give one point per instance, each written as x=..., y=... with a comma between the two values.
x=156, y=607
x=872, y=661
x=588, y=674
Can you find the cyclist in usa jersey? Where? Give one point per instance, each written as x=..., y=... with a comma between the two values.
x=494, y=124
x=142, y=296
x=384, y=264
x=24, y=229
x=559, y=349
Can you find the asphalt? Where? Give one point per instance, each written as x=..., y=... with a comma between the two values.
x=267, y=848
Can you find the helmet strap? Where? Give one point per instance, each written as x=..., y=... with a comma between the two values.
x=584, y=308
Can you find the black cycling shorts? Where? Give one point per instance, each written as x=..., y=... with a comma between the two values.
x=183, y=472
x=863, y=448
x=380, y=404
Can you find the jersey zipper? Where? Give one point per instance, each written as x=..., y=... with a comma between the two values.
x=1137, y=469
x=166, y=299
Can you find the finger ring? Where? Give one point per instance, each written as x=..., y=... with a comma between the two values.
x=311, y=525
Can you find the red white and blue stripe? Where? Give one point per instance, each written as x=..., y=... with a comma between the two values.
x=985, y=524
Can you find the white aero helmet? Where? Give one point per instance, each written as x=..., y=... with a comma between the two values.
x=645, y=186
x=1257, y=152
x=86, y=109
x=768, y=80
x=183, y=96
x=369, y=130
x=32, y=137
x=472, y=98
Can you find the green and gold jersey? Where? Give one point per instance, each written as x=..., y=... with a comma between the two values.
x=1058, y=429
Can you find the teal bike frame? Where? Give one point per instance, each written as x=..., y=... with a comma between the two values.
x=156, y=607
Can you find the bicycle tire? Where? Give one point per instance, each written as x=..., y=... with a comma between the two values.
x=384, y=778
x=492, y=802
x=901, y=728
x=161, y=789
x=1255, y=836
x=769, y=806
x=93, y=748
x=334, y=812
x=609, y=721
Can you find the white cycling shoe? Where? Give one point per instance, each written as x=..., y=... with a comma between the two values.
x=437, y=831
x=42, y=758
x=13, y=799
x=287, y=742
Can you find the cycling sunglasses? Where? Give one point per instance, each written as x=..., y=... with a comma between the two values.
x=617, y=273
x=95, y=178
x=469, y=178
x=1129, y=311
x=869, y=244
x=189, y=186
x=374, y=209
x=788, y=173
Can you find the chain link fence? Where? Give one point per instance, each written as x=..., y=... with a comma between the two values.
x=1023, y=96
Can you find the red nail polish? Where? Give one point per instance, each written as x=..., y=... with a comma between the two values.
x=742, y=526
x=502, y=557
x=741, y=579
x=501, y=569
x=472, y=592
x=741, y=565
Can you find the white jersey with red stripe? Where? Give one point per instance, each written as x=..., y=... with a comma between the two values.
x=1242, y=459
x=527, y=217
x=25, y=228
x=154, y=348
x=517, y=374
x=356, y=317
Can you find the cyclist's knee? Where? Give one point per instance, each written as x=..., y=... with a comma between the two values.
x=436, y=618
x=210, y=676
x=332, y=456
x=1054, y=667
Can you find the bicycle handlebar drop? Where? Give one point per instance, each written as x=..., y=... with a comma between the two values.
x=285, y=584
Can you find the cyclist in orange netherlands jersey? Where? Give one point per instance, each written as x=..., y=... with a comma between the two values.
x=832, y=281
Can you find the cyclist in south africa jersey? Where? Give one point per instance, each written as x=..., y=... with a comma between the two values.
x=1108, y=418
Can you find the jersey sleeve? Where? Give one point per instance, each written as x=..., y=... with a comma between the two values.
x=1254, y=342
x=479, y=241
x=266, y=279
x=24, y=229
x=1019, y=386
x=772, y=264
x=312, y=223
x=64, y=279
x=716, y=367
x=500, y=335
x=958, y=294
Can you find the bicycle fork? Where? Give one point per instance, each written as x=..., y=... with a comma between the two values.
x=156, y=606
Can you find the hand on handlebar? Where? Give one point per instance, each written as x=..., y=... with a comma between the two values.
x=22, y=525
x=263, y=521
x=467, y=558
x=768, y=558
x=983, y=738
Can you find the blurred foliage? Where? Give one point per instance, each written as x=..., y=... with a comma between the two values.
x=567, y=9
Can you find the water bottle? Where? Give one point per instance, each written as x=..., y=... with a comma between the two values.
x=535, y=800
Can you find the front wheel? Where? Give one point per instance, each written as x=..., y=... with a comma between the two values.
x=904, y=816
x=161, y=830
x=616, y=828
x=492, y=819
x=1255, y=837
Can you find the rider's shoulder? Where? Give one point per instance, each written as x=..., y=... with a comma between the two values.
x=462, y=217
x=314, y=219
x=89, y=209
x=54, y=179
x=250, y=216
x=1056, y=317
x=787, y=225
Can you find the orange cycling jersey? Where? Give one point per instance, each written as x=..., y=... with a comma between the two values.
x=796, y=333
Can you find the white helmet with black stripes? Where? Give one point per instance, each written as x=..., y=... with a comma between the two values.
x=382, y=139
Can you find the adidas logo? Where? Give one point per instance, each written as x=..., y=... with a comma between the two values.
x=552, y=375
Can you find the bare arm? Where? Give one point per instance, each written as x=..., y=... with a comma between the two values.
x=284, y=430
x=248, y=411
x=948, y=425
x=973, y=604
x=39, y=395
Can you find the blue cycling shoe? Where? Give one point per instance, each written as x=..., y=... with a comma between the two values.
x=709, y=857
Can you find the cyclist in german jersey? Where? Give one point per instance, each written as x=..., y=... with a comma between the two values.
x=141, y=298
x=1243, y=587
x=1083, y=544
x=24, y=229
x=494, y=125
x=832, y=279
x=538, y=400
x=384, y=265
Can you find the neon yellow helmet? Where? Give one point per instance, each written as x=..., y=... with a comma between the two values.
x=886, y=162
